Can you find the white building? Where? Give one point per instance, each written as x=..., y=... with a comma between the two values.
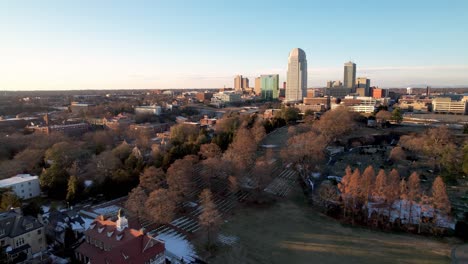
x=447, y=105
x=148, y=109
x=25, y=186
x=296, y=84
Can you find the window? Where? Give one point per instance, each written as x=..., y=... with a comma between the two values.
x=39, y=231
x=29, y=183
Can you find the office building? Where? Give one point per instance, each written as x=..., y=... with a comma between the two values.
x=363, y=82
x=296, y=83
x=448, y=106
x=258, y=86
x=349, y=75
x=25, y=186
x=238, y=82
x=270, y=86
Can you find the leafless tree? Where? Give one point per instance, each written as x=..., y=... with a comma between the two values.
x=160, y=206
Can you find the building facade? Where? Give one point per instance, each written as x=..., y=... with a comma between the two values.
x=449, y=106
x=23, y=234
x=296, y=84
x=258, y=86
x=112, y=242
x=349, y=75
x=25, y=186
x=148, y=110
x=270, y=86
x=363, y=83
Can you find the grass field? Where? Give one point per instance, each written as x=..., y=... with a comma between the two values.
x=291, y=232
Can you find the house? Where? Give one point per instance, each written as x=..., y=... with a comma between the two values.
x=21, y=236
x=25, y=186
x=109, y=242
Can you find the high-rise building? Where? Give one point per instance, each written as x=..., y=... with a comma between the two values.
x=270, y=86
x=363, y=82
x=296, y=83
x=238, y=82
x=245, y=83
x=349, y=75
x=329, y=84
x=258, y=86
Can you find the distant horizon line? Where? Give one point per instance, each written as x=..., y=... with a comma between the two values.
x=208, y=88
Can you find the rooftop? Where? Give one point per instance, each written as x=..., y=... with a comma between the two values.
x=17, y=179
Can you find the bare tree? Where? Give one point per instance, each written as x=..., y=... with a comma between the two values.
x=210, y=150
x=383, y=116
x=258, y=131
x=160, y=206
x=152, y=178
x=241, y=153
x=335, y=123
x=414, y=192
x=344, y=187
x=179, y=179
x=439, y=195
x=397, y=154
x=209, y=219
x=367, y=184
x=380, y=190
x=136, y=201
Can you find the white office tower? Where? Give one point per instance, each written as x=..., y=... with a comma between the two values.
x=296, y=84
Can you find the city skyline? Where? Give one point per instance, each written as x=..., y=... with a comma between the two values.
x=53, y=45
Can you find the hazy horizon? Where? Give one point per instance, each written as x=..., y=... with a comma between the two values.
x=55, y=45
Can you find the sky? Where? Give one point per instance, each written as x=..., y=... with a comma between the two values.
x=62, y=45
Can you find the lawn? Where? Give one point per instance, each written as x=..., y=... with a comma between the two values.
x=291, y=232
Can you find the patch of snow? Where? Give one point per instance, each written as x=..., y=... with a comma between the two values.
x=227, y=240
x=112, y=209
x=88, y=183
x=178, y=246
x=45, y=208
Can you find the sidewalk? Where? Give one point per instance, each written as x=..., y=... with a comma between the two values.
x=460, y=254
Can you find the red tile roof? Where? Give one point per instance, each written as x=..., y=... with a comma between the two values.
x=126, y=246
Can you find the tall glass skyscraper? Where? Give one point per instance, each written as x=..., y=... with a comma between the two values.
x=270, y=86
x=349, y=75
x=296, y=84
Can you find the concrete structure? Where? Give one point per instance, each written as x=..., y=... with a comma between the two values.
x=225, y=97
x=363, y=82
x=329, y=84
x=25, y=186
x=449, y=106
x=23, y=234
x=360, y=104
x=245, y=83
x=270, y=86
x=349, y=75
x=112, y=242
x=296, y=84
x=258, y=86
x=148, y=109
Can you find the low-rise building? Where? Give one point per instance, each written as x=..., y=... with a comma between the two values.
x=21, y=236
x=447, y=105
x=148, y=110
x=69, y=129
x=360, y=104
x=25, y=186
x=112, y=242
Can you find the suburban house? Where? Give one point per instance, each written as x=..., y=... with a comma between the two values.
x=109, y=242
x=21, y=236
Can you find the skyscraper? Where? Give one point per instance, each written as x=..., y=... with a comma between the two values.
x=238, y=82
x=270, y=86
x=296, y=84
x=258, y=86
x=245, y=83
x=349, y=75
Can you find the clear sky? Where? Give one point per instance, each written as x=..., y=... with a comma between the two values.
x=195, y=43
